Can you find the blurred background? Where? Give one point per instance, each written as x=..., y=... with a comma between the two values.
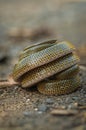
x=23, y=22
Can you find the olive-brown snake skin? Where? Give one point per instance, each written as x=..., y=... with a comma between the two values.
x=52, y=66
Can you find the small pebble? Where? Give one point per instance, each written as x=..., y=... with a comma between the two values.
x=73, y=105
x=36, y=109
x=74, y=98
x=42, y=107
x=39, y=112
x=27, y=113
x=27, y=100
x=49, y=101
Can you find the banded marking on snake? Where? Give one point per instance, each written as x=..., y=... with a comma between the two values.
x=52, y=66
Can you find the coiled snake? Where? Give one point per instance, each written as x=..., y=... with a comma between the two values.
x=52, y=66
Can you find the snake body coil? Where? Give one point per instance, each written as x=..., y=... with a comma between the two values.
x=51, y=65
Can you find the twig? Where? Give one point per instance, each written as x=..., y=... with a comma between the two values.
x=64, y=112
x=9, y=82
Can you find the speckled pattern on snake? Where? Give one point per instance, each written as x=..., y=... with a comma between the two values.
x=52, y=66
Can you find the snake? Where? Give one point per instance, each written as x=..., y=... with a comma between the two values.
x=52, y=66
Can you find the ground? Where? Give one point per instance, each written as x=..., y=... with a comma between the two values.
x=22, y=109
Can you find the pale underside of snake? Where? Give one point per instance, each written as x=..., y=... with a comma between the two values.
x=52, y=66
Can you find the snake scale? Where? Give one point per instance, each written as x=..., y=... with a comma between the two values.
x=52, y=66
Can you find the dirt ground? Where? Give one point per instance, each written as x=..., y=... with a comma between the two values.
x=21, y=24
